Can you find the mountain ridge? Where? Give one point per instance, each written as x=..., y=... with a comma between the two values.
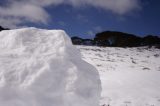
x=118, y=39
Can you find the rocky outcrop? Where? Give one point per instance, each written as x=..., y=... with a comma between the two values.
x=151, y=40
x=1, y=28
x=81, y=41
x=118, y=39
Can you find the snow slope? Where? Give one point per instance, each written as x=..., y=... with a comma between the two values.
x=42, y=68
x=129, y=76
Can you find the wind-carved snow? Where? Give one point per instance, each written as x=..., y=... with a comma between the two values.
x=129, y=76
x=42, y=68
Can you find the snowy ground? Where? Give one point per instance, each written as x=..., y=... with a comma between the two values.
x=129, y=76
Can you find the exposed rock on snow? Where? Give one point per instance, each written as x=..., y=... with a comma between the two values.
x=42, y=68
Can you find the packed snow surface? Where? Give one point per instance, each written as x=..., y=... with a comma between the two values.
x=129, y=76
x=42, y=68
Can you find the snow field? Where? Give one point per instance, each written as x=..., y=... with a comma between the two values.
x=129, y=76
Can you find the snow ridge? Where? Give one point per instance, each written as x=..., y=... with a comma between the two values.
x=41, y=68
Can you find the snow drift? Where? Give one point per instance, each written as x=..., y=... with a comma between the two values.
x=42, y=68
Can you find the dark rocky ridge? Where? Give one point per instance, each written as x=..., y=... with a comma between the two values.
x=81, y=41
x=118, y=39
x=1, y=28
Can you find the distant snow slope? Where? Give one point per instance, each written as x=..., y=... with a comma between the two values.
x=129, y=76
x=42, y=68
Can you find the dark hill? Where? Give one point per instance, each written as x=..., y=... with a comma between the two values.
x=81, y=41
x=151, y=40
x=1, y=28
x=118, y=39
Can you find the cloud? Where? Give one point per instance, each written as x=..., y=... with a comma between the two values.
x=117, y=6
x=17, y=12
x=82, y=18
x=9, y=22
x=98, y=29
x=90, y=32
x=94, y=30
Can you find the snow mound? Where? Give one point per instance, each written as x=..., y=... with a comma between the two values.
x=41, y=68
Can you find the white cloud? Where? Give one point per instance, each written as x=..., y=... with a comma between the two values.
x=9, y=22
x=98, y=29
x=82, y=18
x=17, y=13
x=94, y=30
x=117, y=6
x=21, y=11
x=90, y=32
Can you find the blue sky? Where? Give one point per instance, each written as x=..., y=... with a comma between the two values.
x=83, y=18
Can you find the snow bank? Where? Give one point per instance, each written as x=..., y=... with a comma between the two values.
x=42, y=68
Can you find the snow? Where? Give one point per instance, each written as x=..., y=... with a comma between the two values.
x=42, y=68
x=129, y=76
